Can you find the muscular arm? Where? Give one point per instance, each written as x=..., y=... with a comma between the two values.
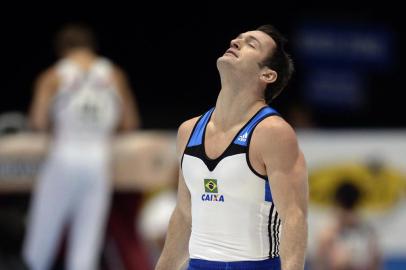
x=175, y=252
x=130, y=116
x=44, y=90
x=286, y=170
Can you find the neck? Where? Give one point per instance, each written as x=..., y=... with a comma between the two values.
x=235, y=106
x=83, y=56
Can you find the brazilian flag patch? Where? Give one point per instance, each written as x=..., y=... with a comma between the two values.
x=210, y=186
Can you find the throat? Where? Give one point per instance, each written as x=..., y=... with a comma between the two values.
x=217, y=141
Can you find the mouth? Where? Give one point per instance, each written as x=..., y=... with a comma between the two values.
x=230, y=51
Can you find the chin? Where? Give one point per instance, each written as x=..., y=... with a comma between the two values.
x=221, y=59
x=223, y=62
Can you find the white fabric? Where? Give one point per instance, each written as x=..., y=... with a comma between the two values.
x=233, y=225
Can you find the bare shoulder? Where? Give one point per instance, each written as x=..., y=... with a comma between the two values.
x=119, y=75
x=275, y=130
x=48, y=76
x=47, y=82
x=118, y=71
x=185, y=129
x=276, y=142
x=184, y=132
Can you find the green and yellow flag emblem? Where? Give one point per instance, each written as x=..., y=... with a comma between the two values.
x=210, y=186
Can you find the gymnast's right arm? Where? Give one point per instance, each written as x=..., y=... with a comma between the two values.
x=175, y=252
x=44, y=90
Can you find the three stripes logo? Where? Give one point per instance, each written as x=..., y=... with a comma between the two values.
x=243, y=138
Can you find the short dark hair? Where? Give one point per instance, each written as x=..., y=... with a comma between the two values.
x=279, y=60
x=74, y=35
x=347, y=195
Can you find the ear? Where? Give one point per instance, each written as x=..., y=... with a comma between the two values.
x=269, y=75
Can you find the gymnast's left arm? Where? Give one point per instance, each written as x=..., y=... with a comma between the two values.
x=287, y=173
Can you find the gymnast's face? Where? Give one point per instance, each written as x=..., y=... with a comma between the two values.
x=247, y=52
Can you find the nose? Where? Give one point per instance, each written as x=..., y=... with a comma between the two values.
x=235, y=43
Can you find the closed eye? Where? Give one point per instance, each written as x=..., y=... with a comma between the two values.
x=252, y=42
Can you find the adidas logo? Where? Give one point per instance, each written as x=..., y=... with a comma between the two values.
x=243, y=138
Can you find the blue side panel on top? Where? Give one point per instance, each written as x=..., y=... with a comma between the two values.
x=197, y=136
x=268, y=194
x=242, y=138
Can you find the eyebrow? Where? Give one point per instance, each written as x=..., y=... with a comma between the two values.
x=249, y=38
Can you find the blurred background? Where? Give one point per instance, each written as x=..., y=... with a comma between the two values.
x=345, y=101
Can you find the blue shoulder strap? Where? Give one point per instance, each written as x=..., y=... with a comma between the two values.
x=242, y=138
x=197, y=135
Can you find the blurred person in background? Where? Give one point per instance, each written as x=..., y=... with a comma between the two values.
x=243, y=191
x=349, y=242
x=155, y=214
x=81, y=101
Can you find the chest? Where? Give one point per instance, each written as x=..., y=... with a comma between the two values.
x=216, y=142
x=231, y=178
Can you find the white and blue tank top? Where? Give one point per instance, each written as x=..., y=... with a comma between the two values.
x=233, y=215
